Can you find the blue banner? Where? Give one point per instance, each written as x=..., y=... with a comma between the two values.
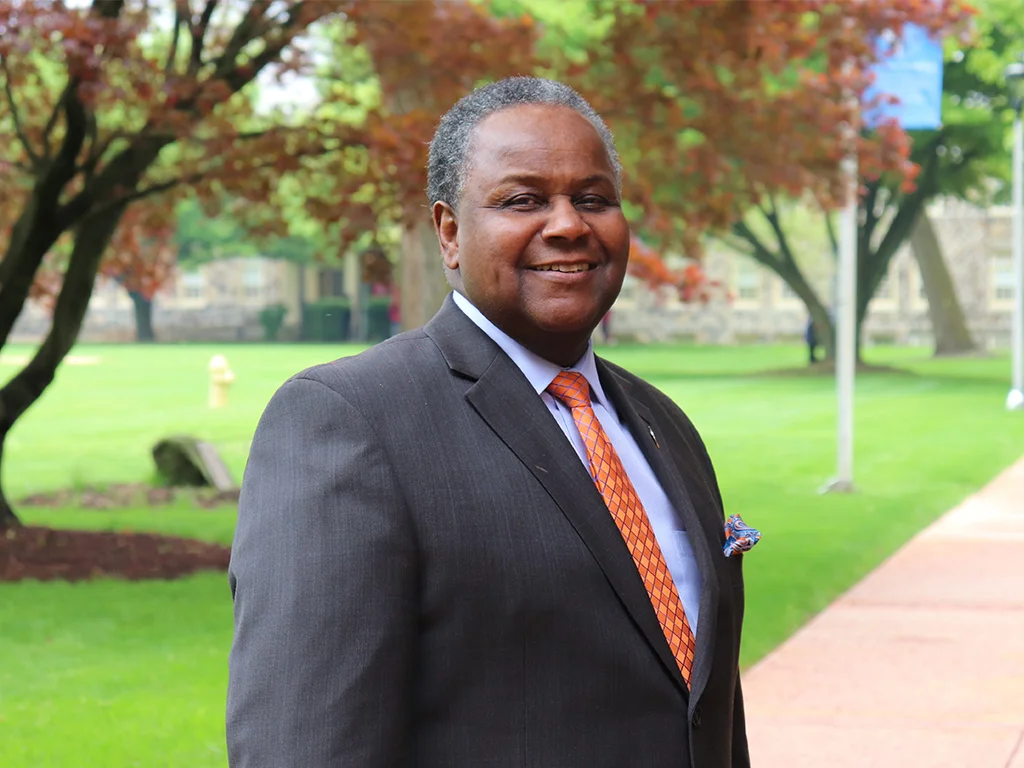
x=910, y=70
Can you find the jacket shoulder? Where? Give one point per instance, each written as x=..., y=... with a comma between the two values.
x=391, y=368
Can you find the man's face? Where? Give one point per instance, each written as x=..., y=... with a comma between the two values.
x=538, y=243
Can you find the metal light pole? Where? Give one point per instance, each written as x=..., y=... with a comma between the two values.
x=1015, y=86
x=846, y=324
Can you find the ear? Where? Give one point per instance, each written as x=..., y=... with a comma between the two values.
x=447, y=227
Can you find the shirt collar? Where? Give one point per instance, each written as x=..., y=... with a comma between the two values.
x=538, y=371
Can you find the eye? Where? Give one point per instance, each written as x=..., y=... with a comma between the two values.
x=593, y=203
x=522, y=203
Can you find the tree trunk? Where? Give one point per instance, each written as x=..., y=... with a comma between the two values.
x=31, y=238
x=824, y=330
x=422, y=286
x=143, y=317
x=782, y=263
x=18, y=395
x=949, y=326
x=8, y=519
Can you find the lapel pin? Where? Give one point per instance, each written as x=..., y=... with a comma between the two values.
x=650, y=431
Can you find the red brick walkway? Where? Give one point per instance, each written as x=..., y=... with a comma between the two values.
x=921, y=665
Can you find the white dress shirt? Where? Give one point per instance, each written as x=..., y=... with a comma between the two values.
x=665, y=521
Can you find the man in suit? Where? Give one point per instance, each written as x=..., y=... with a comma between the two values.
x=477, y=544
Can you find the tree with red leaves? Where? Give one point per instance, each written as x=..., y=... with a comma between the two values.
x=717, y=107
x=735, y=106
x=95, y=108
x=142, y=258
x=117, y=102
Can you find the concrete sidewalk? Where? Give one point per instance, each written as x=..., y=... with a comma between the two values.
x=920, y=665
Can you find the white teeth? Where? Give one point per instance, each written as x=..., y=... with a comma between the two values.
x=563, y=268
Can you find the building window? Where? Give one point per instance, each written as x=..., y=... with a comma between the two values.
x=253, y=281
x=1003, y=279
x=332, y=283
x=193, y=284
x=748, y=280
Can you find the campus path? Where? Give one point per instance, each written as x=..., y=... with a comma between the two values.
x=920, y=665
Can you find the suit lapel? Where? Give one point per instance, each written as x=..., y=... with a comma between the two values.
x=676, y=482
x=505, y=400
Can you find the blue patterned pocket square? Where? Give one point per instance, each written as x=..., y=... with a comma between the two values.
x=739, y=537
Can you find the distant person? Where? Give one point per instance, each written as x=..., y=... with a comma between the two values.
x=477, y=544
x=811, y=337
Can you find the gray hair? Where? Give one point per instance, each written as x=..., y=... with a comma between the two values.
x=448, y=163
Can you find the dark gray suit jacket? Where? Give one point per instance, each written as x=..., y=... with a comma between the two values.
x=425, y=575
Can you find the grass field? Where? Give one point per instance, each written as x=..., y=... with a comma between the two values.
x=115, y=674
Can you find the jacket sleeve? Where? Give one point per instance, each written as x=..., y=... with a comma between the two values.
x=323, y=579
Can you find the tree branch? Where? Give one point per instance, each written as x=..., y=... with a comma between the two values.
x=734, y=242
x=773, y=219
x=182, y=16
x=204, y=20
x=237, y=78
x=830, y=229
x=39, y=224
x=63, y=166
x=153, y=189
x=51, y=123
x=91, y=241
x=19, y=130
x=108, y=9
x=759, y=251
x=198, y=34
x=875, y=264
x=866, y=231
x=88, y=167
x=91, y=132
x=788, y=270
x=247, y=30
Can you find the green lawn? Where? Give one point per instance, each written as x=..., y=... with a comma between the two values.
x=117, y=674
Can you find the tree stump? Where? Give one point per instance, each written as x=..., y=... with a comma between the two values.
x=186, y=460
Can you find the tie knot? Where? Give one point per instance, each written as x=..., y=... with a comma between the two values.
x=571, y=388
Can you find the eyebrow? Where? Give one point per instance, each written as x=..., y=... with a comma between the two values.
x=532, y=178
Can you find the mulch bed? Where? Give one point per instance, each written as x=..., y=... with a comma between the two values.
x=47, y=554
x=129, y=495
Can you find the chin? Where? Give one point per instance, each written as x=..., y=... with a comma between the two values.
x=569, y=323
x=572, y=316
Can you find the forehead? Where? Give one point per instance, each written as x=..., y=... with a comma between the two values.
x=537, y=137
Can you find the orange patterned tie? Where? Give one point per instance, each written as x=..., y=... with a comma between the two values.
x=628, y=512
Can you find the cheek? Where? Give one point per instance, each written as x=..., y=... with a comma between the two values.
x=498, y=252
x=490, y=273
x=618, y=238
x=612, y=232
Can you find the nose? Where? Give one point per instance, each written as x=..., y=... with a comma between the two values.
x=565, y=224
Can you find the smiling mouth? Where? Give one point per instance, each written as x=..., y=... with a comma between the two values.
x=564, y=268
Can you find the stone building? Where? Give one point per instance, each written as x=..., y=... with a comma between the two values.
x=222, y=300
x=218, y=301
x=753, y=305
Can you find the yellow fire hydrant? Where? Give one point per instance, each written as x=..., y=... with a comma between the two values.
x=221, y=377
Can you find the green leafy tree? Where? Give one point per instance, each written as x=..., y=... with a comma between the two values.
x=966, y=158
